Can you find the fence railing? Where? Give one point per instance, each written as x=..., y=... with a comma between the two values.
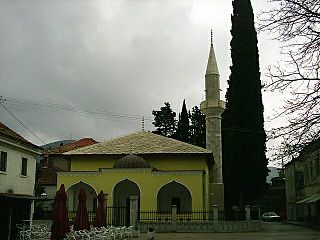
x=155, y=216
x=120, y=216
x=72, y=216
x=200, y=215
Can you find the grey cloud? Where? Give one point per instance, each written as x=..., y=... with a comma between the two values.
x=120, y=56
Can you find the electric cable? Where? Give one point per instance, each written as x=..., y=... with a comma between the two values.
x=22, y=123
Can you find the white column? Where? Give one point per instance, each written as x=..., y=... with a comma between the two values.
x=133, y=209
x=247, y=209
x=174, y=213
x=215, y=212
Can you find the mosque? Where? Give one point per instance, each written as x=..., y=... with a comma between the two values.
x=156, y=170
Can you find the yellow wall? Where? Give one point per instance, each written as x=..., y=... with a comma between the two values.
x=149, y=181
x=158, y=161
x=177, y=162
x=92, y=163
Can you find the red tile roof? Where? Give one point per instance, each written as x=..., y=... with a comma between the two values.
x=48, y=173
x=71, y=146
x=12, y=135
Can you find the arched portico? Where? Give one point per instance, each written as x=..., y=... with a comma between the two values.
x=73, y=192
x=174, y=193
x=122, y=191
x=121, y=201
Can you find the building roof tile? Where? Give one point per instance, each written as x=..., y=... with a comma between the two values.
x=71, y=146
x=13, y=136
x=140, y=143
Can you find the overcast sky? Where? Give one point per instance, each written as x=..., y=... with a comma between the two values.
x=127, y=57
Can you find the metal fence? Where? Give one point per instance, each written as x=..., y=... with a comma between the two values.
x=155, y=216
x=72, y=216
x=118, y=215
x=190, y=216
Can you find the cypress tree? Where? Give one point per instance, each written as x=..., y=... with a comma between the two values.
x=198, y=127
x=243, y=135
x=183, y=129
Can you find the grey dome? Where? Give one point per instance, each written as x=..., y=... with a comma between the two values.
x=131, y=161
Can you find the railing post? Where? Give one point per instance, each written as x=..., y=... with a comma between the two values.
x=133, y=209
x=174, y=218
x=215, y=215
x=174, y=213
x=247, y=209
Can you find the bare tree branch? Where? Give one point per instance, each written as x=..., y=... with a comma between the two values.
x=296, y=23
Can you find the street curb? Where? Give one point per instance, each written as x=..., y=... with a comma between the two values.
x=302, y=224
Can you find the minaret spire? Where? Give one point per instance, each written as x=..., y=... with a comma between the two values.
x=212, y=66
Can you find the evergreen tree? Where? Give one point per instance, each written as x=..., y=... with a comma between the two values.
x=243, y=135
x=183, y=129
x=198, y=127
x=164, y=121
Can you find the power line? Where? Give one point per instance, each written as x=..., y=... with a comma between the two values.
x=59, y=107
x=20, y=121
x=94, y=113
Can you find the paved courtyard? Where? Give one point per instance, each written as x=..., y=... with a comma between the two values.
x=270, y=231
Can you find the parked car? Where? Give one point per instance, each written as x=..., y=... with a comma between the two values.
x=270, y=217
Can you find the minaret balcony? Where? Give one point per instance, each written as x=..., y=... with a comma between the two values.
x=212, y=103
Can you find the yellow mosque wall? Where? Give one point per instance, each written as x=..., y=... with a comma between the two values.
x=148, y=182
x=189, y=170
x=92, y=163
x=158, y=161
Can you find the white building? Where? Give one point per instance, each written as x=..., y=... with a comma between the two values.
x=17, y=180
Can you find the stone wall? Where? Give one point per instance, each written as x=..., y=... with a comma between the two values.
x=208, y=226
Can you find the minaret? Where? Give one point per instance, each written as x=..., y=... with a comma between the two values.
x=213, y=107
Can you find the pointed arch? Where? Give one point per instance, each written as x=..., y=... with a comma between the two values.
x=174, y=193
x=122, y=190
x=119, y=181
x=82, y=182
x=73, y=192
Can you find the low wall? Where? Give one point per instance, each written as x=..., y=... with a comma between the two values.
x=207, y=226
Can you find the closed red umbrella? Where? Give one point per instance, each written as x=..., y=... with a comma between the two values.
x=63, y=212
x=60, y=222
x=55, y=220
x=100, y=219
x=82, y=218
